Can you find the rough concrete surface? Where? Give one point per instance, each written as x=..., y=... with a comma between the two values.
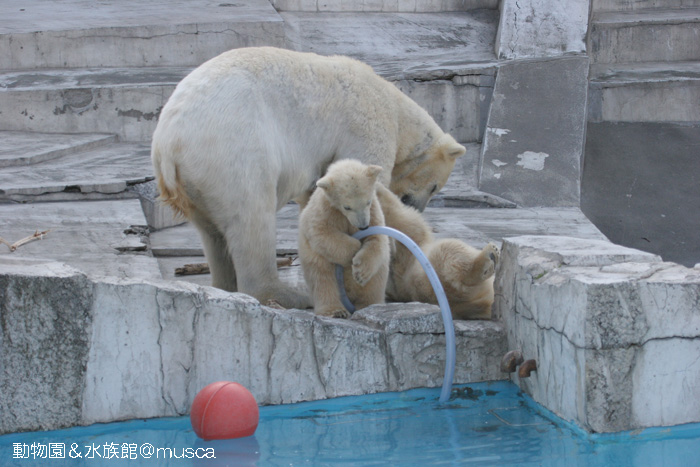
x=165, y=341
x=627, y=5
x=645, y=92
x=542, y=28
x=20, y=148
x=44, y=34
x=633, y=36
x=613, y=330
x=106, y=171
x=641, y=186
x=386, y=6
x=533, y=145
x=95, y=237
x=411, y=42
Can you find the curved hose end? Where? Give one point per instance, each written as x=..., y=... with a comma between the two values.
x=450, y=347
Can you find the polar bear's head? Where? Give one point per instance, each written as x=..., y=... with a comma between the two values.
x=417, y=179
x=350, y=186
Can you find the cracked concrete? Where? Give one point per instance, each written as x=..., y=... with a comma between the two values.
x=604, y=325
x=166, y=340
x=542, y=28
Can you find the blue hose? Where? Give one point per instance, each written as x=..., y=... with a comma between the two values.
x=437, y=287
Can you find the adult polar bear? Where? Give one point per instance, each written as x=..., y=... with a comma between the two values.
x=254, y=128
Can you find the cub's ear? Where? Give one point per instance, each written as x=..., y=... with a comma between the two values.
x=451, y=148
x=324, y=183
x=373, y=171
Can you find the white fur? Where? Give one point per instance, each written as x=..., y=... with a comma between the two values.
x=253, y=128
x=344, y=202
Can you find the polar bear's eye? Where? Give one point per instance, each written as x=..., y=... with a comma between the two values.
x=347, y=208
x=434, y=189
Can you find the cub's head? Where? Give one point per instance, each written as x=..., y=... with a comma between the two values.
x=350, y=185
x=416, y=180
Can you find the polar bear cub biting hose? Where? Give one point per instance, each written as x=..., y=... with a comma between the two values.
x=254, y=128
x=344, y=202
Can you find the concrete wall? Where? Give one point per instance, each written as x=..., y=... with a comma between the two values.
x=76, y=350
x=615, y=331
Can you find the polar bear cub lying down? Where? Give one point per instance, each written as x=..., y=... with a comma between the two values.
x=344, y=202
x=466, y=273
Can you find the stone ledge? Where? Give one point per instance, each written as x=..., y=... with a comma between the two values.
x=615, y=331
x=77, y=350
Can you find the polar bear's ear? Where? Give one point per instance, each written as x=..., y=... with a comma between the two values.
x=455, y=150
x=450, y=147
x=324, y=183
x=373, y=171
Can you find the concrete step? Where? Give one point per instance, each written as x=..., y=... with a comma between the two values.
x=101, y=238
x=443, y=61
x=81, y=34
x=660, y=34
x=474, y=226
x=179, y=245
x=125, y=101
x=106, y=172
x=22, y=148
x=627, y=5
x=645, y=92
x=384, y=6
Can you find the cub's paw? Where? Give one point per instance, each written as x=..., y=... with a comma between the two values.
x=363, y=267
x=334, y=313
x=492, y=254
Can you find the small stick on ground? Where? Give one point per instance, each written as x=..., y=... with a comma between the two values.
x=203, y=268
x=192, y=269
x=285, y=261
x=35, y=236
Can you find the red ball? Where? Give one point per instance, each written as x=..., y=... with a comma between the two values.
x=224, y=410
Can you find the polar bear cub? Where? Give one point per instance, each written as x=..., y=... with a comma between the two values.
x=466, y=273
x=344, y=202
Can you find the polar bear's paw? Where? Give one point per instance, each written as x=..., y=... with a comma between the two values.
x=491, y=254
x=287, y=298
x=334, y=313
x=363, y=267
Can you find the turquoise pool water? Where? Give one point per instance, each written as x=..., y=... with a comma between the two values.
x=482, y=424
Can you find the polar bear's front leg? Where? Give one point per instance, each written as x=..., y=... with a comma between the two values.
x=371, y=257
x=375, y=250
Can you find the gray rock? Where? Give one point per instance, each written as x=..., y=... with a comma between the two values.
x=45, y=329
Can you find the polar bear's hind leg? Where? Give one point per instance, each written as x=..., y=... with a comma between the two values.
x=251, y=240
x=216, y=251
